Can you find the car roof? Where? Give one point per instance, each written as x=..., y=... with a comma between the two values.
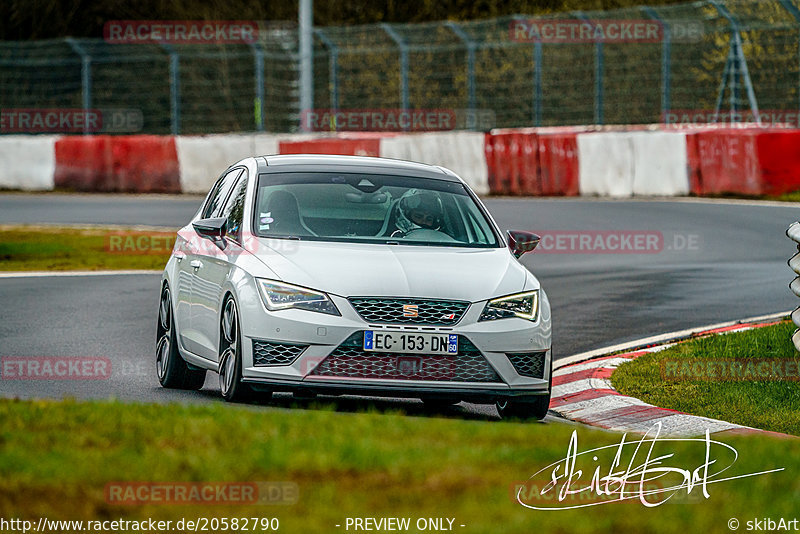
x=324, y=162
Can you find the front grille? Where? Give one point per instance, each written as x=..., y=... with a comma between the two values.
x=409, y=311
x=530, y=364
x=350, y=360
x=270, y=353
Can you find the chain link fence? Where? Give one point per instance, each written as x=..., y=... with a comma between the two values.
x=710, y=57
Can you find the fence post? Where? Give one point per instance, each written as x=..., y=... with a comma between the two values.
x=738, y=62
x=791, y=8
x=174, y=89
x=537, y=82
x=333, y=67
x=306, y=49
x=721, y=91
x=537, y=78
x=666, y=61
x=86, y=78
x=599, y=68
x=470, y=44
x=258, y=105
x=401, y=44
x=734, y=80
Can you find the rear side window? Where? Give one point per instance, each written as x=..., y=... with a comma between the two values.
x=216, y=199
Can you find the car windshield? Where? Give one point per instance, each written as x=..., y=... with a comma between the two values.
x=369, y=208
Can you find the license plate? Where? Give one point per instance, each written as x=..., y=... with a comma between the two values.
x=410, y=343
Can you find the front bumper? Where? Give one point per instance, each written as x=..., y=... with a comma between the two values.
x=322, y=335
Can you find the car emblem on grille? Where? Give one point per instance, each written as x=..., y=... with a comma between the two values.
x=410, y=310
x=448, y=316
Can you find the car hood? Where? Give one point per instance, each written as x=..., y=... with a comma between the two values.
x=355, y=269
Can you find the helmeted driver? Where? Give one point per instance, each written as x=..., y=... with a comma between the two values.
x=419, y=210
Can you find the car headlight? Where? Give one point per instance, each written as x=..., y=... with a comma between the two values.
x=524, y=305
x=282, y=296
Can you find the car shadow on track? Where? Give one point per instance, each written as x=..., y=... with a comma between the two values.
x=354, y=404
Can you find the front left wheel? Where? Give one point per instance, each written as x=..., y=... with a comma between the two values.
x=173, y=372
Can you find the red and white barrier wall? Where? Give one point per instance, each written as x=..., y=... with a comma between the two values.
x=27, y=162
x=623, y=164
x=137, y=163
x=643, y=161
x=201, y=159
x=564, y=161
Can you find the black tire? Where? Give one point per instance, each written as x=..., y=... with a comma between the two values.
x=533, y=407
x=230, y=357
x=172, y=371
x=439, y=404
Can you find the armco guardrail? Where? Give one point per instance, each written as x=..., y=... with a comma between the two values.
x=793, y=232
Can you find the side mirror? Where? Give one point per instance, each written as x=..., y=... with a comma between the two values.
x=521, y=242
x=213, y=228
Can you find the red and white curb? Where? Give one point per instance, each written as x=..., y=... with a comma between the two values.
x=583, y=392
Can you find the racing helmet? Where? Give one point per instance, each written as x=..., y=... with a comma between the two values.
x=419, y=209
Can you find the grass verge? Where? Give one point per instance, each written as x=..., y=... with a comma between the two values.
x=794, y=196
x=680, y=378
x=38, y=248
x=57, y=457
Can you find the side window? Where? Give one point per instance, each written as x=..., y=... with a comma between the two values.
x=219, y=193
x=210, y=197
x=234, y=209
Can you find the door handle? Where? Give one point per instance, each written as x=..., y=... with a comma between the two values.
x=196, y=264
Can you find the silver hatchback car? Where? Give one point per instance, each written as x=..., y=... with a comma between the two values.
x=353, y=275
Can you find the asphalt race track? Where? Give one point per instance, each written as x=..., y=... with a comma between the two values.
x=712, y=262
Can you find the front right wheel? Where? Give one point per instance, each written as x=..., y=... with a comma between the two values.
x=230, y=358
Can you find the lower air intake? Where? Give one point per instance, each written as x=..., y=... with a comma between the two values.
x=267, y=353
x=530, y=364
x=350, y=360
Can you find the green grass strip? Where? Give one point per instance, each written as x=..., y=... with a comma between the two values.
x=723, y=377
x=57, y=457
